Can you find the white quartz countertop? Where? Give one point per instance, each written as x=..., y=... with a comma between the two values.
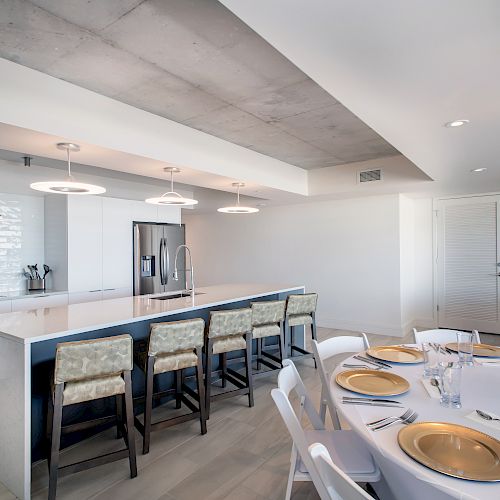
x=37, y=325
x=22, y=294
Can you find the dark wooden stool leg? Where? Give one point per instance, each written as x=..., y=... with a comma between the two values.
x=201, y=394
x=248, y=368
x=129, y=412
x=282, y=343
x=223, y=364
x=55, y=440
x=119, y=416
x=148, y=404
x=178, y=388
x=208, y=374
x=292, y=340
x=314, y=334
x=259, y=353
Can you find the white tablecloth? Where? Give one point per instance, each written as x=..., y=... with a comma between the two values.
x=403, y=477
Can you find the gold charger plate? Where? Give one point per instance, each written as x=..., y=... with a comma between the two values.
x=453, y=450
x=396, y=354
x=482, y=350
x=372, y=382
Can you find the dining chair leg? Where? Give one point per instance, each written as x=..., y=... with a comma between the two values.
x=129, y=412
x=119, y=415
x=178, y=388
x=55, y=440
x=208, y=374
x=201, y=394
x=148, y=405
x=291, y=474
x=223, y=364
x=248, y=368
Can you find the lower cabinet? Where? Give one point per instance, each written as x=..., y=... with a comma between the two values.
x=116, y=293
x=80, y=297
x=5, y=306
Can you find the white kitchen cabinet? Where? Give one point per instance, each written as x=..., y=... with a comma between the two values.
x=5, y=306
x=38, y=302
x=85, y=254
x=81, y=297
x=117, y=253
x=143, y=212
x=116, y=293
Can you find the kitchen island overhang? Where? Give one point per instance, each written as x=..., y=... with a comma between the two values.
x=27, y=347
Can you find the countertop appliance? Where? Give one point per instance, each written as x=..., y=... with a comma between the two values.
x=154, y=251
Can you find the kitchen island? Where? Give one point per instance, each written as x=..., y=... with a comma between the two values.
x=28, y=341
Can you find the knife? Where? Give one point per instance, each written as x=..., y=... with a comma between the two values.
x=371, y=403
x=346, y=398
x=373, y=362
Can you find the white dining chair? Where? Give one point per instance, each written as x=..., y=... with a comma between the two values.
x=322, y=352
x=346, y=449
x=338, y=485
x=441, y=336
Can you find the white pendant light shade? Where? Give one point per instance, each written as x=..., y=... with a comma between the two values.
x=171, y=197
x=238, y=209
x=68, y=186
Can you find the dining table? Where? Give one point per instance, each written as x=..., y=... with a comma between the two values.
x=403, y=478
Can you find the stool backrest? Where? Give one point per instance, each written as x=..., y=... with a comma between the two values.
x=289, y=380
x=230, y=322
x=268, y=312
x=337, y=483
x=301, y=303
x=93, y=358
x=176, y=336
x=441, y=336
x=326, y=350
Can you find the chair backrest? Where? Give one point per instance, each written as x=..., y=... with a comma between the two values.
x=86, y=359
x=441, y=336
x=230, y=322
x=326, y=350
x=289, y=380
x=337, y=483
x=268, y=312
x=301, y=303
x=176, y=336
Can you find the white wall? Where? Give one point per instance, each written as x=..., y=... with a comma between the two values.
x=21, y=238
x=407, y=260
x=346, y=250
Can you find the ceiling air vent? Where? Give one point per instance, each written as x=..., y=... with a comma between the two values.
x=370, y=175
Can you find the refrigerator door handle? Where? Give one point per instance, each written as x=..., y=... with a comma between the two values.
x=164, y=261
x=167, y=261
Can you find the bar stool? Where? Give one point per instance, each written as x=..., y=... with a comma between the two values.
x=85, y=371
x=267, y=321
x=301, y=311
x=229, y=331
x=172, y=347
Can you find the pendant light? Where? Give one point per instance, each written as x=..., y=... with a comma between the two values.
x=171, y=197
x=238, y=209
x=69, y=186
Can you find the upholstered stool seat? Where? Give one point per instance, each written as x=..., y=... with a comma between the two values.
x=85, y=371
x=300, y=311
x=172, y=347
x=267, y=321
x=229, y=331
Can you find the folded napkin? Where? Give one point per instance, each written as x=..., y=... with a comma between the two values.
x=431, y=390
x=494, y=424
x=487, y=362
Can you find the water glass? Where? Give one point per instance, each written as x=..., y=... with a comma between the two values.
x=450, y=375
x=431, y=359
x=465, y=348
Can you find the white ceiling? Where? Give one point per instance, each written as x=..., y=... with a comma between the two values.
x=405, y=68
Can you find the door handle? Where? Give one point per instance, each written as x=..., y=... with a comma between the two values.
x=162, y=263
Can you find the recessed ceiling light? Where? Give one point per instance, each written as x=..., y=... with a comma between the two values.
x=478, y=170
x=456, y=123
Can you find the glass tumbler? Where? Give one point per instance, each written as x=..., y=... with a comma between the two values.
x=431, y=359
x=465, y=348
x=450, y=375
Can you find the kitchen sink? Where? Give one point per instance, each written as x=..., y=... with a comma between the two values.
x=176, y=296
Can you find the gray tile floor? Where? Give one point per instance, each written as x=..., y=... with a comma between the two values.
x=244, y=455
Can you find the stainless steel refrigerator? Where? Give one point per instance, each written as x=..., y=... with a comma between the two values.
x=155, y=246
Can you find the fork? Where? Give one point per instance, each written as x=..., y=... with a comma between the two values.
x=404, y=416
x=348, y=365
x=406, y=421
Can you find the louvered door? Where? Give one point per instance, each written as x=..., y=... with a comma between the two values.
x=468, y=264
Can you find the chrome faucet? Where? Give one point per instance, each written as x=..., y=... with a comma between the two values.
x=190, y=270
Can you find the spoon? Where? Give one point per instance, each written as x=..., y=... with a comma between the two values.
x=486, y=416
x=435, y=383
